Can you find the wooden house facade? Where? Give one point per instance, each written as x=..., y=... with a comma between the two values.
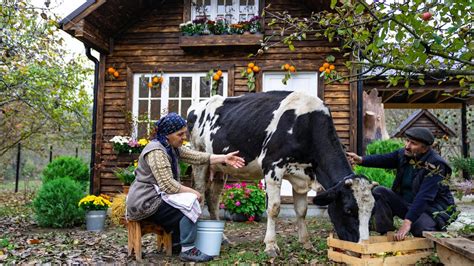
x=140, y=39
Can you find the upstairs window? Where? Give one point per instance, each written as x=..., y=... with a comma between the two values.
x=232, y=11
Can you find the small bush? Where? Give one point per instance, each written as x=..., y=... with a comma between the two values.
x=383, y=146
x=462, y=164
x=384, y=177
x=56, y=204
x=63, y=166
x=379, y=175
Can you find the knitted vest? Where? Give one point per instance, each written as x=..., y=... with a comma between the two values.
x=142, y=199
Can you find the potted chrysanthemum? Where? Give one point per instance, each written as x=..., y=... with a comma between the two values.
x=96, y=211
x=243, y=202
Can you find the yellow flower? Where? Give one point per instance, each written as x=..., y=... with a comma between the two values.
x=143, y=142
x=95, y=202
x=135, y=163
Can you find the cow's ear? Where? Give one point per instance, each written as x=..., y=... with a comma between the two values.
x=325, y=198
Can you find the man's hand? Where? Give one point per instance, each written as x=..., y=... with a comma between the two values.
x=354, y=158
x=403, y=231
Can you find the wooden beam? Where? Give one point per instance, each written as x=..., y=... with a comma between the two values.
x=443, y=98
x=390, y=96
x=220, y=40
x=416, y=96
x=186, y=10
x=88, y=34
x=83, y=14
x=447, y=88
x=422, y=105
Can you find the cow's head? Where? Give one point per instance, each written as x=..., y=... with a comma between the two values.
x=350, y=203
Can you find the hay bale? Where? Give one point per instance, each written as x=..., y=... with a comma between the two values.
x=117, y=209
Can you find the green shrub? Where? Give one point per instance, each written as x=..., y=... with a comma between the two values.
x=383, y=177
x=462, y=164
x=184, y=169
x=63, y=166
x=126, y=175
x=56, y=204
x=383, y=146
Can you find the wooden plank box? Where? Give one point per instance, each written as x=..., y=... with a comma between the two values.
x=379, y=250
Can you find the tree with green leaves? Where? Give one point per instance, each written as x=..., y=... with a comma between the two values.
x=42, y=92
x=402, y=41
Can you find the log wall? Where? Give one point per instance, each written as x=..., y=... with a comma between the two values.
x=152, y=43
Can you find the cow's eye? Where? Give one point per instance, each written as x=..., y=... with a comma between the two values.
x=348, y=211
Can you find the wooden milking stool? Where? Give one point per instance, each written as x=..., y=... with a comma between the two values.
x=137, y=229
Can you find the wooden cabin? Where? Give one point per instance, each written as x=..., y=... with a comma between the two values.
x=140, y=39
x=143, y=38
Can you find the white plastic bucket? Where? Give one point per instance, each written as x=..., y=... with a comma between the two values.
x=209, y=236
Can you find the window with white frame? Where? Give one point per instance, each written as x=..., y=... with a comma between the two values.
x=306, y=82
x=177, y=93
x=232, y=11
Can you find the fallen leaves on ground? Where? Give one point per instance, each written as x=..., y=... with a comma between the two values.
x=22, y=241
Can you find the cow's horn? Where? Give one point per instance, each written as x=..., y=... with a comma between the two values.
x=348, y=182
x=374, y=184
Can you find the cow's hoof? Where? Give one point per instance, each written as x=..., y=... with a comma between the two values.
x=309, y=246
x=226, y=241
x=272, y=251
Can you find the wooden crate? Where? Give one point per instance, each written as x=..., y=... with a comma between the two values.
x=379, y=250
x=452, y=250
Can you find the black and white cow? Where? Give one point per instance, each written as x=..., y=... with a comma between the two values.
x=283, y=135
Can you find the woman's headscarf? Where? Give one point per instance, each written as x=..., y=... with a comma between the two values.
x=166, y=125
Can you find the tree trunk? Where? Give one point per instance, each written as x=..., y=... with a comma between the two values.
x=374, y=118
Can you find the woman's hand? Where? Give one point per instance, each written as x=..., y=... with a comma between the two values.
x=234, y=160
x=230, y=158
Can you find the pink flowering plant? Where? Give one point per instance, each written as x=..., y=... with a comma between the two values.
x=242, y=198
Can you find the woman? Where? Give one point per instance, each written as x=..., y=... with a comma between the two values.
x=157, y=181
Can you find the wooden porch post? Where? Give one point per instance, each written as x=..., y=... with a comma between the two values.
x=464, y=140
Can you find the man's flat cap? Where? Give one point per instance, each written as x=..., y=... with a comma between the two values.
x=420, y=134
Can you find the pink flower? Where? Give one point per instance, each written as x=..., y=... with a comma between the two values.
x=251, y=218
x=247, y=191
x=237, y=185
x=260, y=185
x=231, y=195
x=227, y=186
x=244, y=184
x=222, y=206
x=133, y=143
x=237, y=203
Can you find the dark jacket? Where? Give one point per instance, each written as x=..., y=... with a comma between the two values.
x=430, y=195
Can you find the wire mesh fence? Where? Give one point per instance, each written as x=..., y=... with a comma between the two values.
x=32, y=162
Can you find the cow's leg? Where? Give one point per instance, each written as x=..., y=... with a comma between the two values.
x=273, y=187
x=300, y=204
x=213, y=192
x=200, y=173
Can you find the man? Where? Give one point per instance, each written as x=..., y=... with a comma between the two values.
x=417, y=192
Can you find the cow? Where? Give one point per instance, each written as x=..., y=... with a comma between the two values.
x=282, y=135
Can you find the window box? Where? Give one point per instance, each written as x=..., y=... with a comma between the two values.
x=220, y=40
